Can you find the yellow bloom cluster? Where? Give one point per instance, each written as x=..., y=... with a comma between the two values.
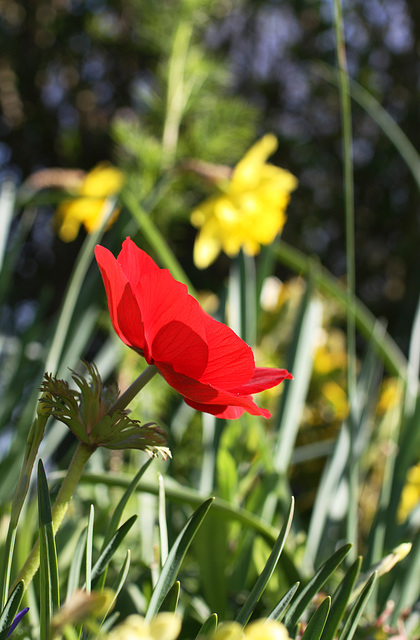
x=166, y=626
x=88, y=206
x=249, y=212
x=257, y=630
x=410, y=496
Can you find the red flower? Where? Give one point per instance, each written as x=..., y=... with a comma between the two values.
x=204, y=360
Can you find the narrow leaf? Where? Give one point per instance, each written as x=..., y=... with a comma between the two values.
x=175, y=558
x=118, y=511
x=10, y=610
x=300, y=362
x=280, y=609
x=76, y=565
x=106, y=555
x=89, y=546
x=317, y=622
x=341, y=600
x=248, y=607
x=209, y=627
x=49, y=590
x=351, y=623
x=171, y=601
x=118, y=584
x=314, y=585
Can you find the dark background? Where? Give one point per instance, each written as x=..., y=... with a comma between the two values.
x=68, y=68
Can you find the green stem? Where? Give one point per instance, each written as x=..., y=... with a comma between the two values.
x=80, y=458
x=130, y=393
x=83, y=262
x=33, y=441
x=345, y=101
x=177, y=94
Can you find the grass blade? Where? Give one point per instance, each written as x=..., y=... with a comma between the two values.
x=48, y=568
x=118, y=511
x=106, y=555
x=341, y=600
x=352, y=621
x=317, y=622
x=281, y=608
x=248, y=607
x=209, y=627
x=175, y=558
x=314, y=585
x=163, y=530
x=89, y=546
x=76, y=565
x=299, y=363
x=10, y=609
x=171, y=601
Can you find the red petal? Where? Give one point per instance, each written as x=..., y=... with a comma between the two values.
x=135, y=262
x=220, y=411
x=122, y=305
x=231, y=361
x=173, y=324
x=204, y=394
x=263, y=378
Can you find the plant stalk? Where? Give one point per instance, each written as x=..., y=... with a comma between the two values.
x=80, y=458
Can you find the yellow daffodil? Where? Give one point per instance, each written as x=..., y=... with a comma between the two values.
x=257, y=630
x=87, y=207
x=250, y=210
x=410, y=496
x=166, y=626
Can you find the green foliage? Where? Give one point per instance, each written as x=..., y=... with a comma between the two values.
x=245, y=558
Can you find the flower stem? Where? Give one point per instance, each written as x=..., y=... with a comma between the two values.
x=80, y=458
x=130, y=393
x=33, y=441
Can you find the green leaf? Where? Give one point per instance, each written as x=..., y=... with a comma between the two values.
x=175, y=558
x=10, y=610
x=248, y=607
x=280, y=609
x=210, y=548
x=209, y=627
x=171, y=601
x=341, y=600
x=299, y=363
x=76, y=564
x=351, y=623
x=314, y=585
x=163, y=529
x=317, y=622
x=118, y=584
x=106, y=555
x=48, y=567
x=89, y=546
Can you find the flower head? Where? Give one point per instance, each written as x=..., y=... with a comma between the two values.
x=204, y=360
x=257, y=630
x=16, y=620
x=250, y=210
x=165, y=626
x=89, y=413
x=88, y=205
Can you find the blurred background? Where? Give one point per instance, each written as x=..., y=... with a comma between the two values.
x=83, y=82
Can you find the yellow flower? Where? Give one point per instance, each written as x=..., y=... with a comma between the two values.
x=257, y=630
x=249, y=212
x=88, y=206
x=166, y=626
x=410, y=496
x=391, y=395
x=337, y=398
